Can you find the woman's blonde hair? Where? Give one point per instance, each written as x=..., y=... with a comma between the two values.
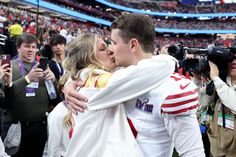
x=80, y=54
x=63, y=79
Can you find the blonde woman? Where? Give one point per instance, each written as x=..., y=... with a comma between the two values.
x=91, y=54
x=104, y=130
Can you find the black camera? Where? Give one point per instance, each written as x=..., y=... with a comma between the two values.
x=218, y=55
x=176, y=51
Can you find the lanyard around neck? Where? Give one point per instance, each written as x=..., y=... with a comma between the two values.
x=59, y=68
x=23, y=68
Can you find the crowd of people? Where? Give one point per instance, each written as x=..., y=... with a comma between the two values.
x=216, y=24
x=82, y=8
x=176, y=23
x=194, y=42
x=69, y=29
x=174, y=6
x=113, y=97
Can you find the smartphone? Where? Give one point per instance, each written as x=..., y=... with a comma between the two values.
x=43, y=63
x=6, y=59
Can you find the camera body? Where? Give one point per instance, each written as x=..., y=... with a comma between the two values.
x=218, y=55
x=199, y=63
x=176, y=51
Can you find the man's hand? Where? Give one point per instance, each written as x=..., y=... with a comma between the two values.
x=7, y=77
x=75, y=101
x=35, y=73
x=3, y=69
x=197, y=76
x=49, y=75
x=214, y=71
x=6, y=74
x=164, y=49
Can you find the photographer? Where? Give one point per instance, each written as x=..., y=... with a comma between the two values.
x=28, y=99
x=221, y=132
x=203, y=112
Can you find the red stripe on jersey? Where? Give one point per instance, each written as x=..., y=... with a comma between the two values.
x=135, y=133
x=181, y=72
x=182, y=110
x=179, y=103
x=182, y=94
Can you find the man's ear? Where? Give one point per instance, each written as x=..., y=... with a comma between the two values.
x=134, y=44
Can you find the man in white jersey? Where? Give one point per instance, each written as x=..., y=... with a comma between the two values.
x=161, y=119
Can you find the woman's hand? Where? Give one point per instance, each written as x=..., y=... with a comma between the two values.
x=214, y=71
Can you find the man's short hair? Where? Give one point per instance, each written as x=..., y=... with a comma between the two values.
x=136, y=26
x=57, y=39
x=26, y=38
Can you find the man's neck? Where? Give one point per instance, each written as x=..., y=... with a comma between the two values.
x=59, y=58
x=143, y=56
x=26, y=61
x=147, y=56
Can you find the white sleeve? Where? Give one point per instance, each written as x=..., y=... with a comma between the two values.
x=181, y=101
x=133, y=81
x=227, y=94
x=55, y=132
x=185, y=134
x=2, y=150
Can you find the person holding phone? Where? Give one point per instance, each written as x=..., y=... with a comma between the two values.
x=28, y=98
x=5, y=77
x=4, y=69
x=5, y=59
